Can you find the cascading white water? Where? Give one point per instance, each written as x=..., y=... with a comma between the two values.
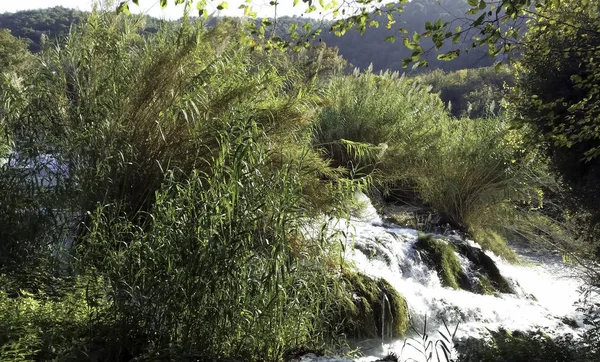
x=545, y=291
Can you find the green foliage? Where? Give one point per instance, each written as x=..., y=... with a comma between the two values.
x=222, y=268
x=556, y=95
x=481, y=179
x=14, y=55
x=388, y=113
x=475, y=173
x=297, y=32
x=123, y=109
x=485, y=286
x=494, y=27
x=520, y=346
x=473, y=93
x=191, y=183
x=491, y=240
x=442, y=257
x=38, y=25
x=38, y=327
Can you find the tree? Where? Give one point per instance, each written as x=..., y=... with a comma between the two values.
x=558, y=93
x=14, y=55
x=34, y=24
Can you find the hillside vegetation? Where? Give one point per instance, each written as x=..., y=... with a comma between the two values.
x=166, y=191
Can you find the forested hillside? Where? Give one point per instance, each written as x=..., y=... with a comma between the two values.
x=359, y=50
x=32, y=24
x=54, y=23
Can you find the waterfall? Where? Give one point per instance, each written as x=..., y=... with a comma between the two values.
x=544, y=289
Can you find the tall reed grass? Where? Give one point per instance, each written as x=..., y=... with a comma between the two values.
x=191, y=176
x=474, y=172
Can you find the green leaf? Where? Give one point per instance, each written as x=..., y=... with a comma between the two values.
x=391, y=39
x=223, y=5
x=472, y=2
x=123, y=8
x=416, y=55
x=479, y=20
x=163, y=3
x=408, y=44
x=416, y=37
x=137, y=2
x=449, y=55
x=456, y=39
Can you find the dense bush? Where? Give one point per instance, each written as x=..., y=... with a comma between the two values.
x=556, y=94
x=222, y=268
x=189, y=178
x=62, y=326
x=391, y=114
x=473, y=172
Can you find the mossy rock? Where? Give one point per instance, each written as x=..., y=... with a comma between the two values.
x=490, y=278
x=485, y=286
x=362, y=316
x=441, y=257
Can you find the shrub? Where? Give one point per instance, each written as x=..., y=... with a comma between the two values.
x=387, y=112
x=222, y=267
x=475, y=173
x=481, y=179
x=192, y=182
x=42, y=327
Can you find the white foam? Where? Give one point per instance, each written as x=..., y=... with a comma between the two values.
x=545, y=293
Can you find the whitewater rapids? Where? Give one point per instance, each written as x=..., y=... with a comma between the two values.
x=546, y=289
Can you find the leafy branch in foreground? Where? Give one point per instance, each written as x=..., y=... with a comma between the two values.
x=495, y=25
